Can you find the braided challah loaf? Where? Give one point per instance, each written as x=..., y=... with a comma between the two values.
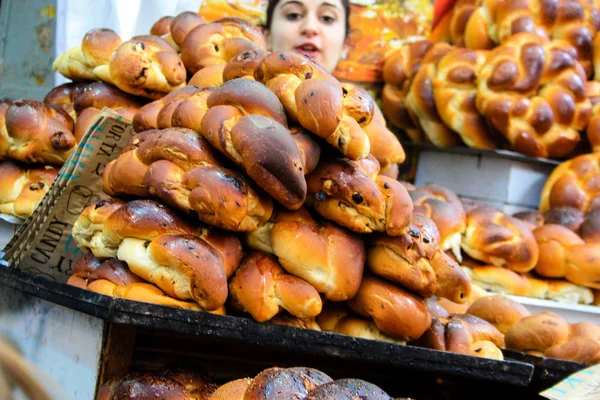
x=64, y=96
x=145, y=66
x=326, y=256
x=175, y=29
x=455, y=92
x=22, y=189
x=531, y=90
x=262, y=288
x=315, y=99
x=243, y=65
x=354, y=195
x=574, y=183
x=160, y=247
x=33, y=132
x=181, y=169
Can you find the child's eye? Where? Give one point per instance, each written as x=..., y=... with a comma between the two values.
x=293, y=16
x=328, y=19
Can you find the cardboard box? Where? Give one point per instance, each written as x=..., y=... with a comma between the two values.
x=510, y=184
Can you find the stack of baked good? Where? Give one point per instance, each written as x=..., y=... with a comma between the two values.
x=489, y=77
x=182, y=382
x=543, y=334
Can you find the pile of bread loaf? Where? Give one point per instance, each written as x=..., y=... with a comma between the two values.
x=502, y=74
x=183, y=382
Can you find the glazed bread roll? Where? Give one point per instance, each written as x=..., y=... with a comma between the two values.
x=315, y=99
x=362, y=328
x=354, y=195
x=326, y=256
x=572, y=183
x=234, y=390
x=181, y=169
x=22, y=189
x=396, y=313
x=590, y=228
x=350, y=389
x=406, y=259
x=458, y=19
x=499, y=280
x=537, y=332
x=385, y=146
x=572, y=22
x=553, y=242
x=174, y=30
x=218, y=42
x=243, y=65
x=498, y=239
x=582, y=265
x=89, y=268
x=165, y=384
x=64, y=96
x=420, y=101
x=453, y=283
x=499, y=310
x=158, y=246
x=247, y=123
x=263, y=289
x=455, y=90
x=285, y=383
x=534, y=219
x=209, y=76
x=444, y=207
x=146, y=66
x=510, y=78
x=92, y=98
x=579, y=349
x=147, y=117
x=398, y=72
x=33, y=132
x=567, y=216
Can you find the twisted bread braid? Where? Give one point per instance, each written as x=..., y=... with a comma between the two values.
x=159, y=247
x=145, y=66
x=574, y=183
x=531, y=90
x=421, y=104
x=592, y=91
x=246, y=122
x=208, y=76
x=262, y=288
x=571, y=22
x=455, y=91
x=182, y=170
x=34, y=132
x=398, y=72
x=21, y=189
x=498, y=239
x=326, y=256
x=64, y=96
x=467, y=334
x=352, y=194
x=92, y=98
x=243, y=65
x=175, y=29
x=315, y=99
x=218, y=42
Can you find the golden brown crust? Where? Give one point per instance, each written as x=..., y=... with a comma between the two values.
x=522, y=91
x=572, y=184
x=209, y=76
x=33, y=132
x=243, y=65
x=569, y=217
x=262, y=288
x=22, y=189
x=590, y=228
x=498, y=310
x=64, y=96
x=553, y=242
x=579, y=349
x=89, y=268
x=582, y=265
x=302, y=323
x=233, y=390
x=146, y=117
x=534, y=219
x=501, y=280
x=335, y=260
x=396, y=312
x=537, y=332
x=183, y=24
x=284, y=383
x=452, y=282
x=496, y=238
x=218, y=42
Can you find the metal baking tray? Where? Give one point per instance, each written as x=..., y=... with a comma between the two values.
x=277, y=337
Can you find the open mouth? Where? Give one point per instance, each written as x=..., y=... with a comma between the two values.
x=308, y=49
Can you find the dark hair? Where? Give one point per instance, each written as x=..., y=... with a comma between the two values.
x=273, y=3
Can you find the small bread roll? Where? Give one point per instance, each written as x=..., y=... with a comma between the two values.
x=499, y=310
x=538, y=332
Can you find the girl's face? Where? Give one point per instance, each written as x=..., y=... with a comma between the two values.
x=316, y=28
